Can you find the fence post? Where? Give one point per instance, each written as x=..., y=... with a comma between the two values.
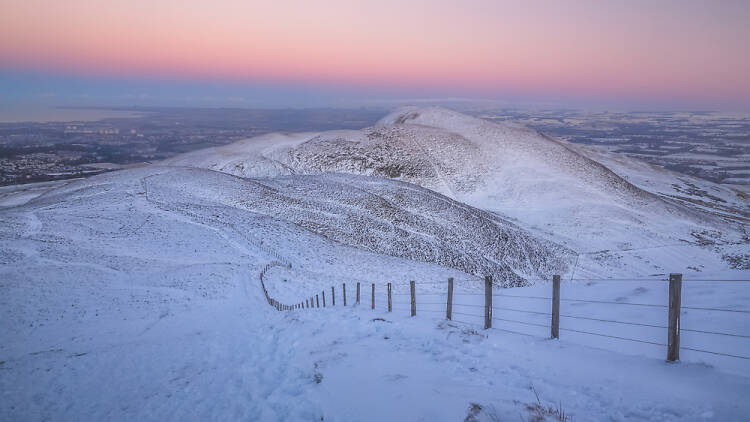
x=413, y=298
x=343, y=287
x=324, y=298
x=373, y=295
x=358, y=293
x=390, y=301
x=317, y=301
x=333, y=296
x=673, y=335
x=449, y=306
x=487, y=302
x=555, y=327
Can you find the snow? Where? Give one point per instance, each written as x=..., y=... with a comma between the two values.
x=583, y=199
x=135, y=295
x=15, y=195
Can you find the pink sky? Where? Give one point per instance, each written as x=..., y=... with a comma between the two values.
x=681, y=49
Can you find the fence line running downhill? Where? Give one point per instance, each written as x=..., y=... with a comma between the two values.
x=673, y=326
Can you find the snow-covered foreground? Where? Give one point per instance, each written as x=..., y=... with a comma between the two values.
x=135, y=296
x=236, y=358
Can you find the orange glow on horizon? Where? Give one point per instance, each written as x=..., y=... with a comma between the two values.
x=480, y=46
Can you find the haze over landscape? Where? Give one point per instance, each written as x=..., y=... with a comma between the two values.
x=424, y=210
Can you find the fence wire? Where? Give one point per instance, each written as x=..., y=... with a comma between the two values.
x=404, y=306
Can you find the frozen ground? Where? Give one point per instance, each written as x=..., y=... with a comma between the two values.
x=135, y=295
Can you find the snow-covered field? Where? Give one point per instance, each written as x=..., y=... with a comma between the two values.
x=135, y=295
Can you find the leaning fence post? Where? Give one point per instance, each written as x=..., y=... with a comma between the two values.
x=333, y=296
x=343, y=287
x=673, y=334
x=373, y=295
x=413, y=298
x=324, y=298
x=390, y=301
x=555, y=327
x=317, y=301
x=358, y=293
x=449, y=306
x=487, y=302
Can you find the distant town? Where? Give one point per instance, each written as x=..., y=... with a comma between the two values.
x=712, y=146
x=36, y=152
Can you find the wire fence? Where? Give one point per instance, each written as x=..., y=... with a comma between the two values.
x=452, y=305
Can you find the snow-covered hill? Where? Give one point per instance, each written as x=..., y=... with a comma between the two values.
x=135, y=295
x=614, y=216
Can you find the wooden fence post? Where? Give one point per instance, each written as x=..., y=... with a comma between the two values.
x=343, y=287
x=317, y=301
x=673, y=334
x=333, y=296
x=373, y=295
x=555, y=327
x=324, y=298
x=413, y=298
x=487, y=302
x=449, y=305
x=358, y=293
x=390, y=301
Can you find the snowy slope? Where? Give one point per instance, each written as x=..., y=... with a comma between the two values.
x=134, y=295
x=547, y=186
